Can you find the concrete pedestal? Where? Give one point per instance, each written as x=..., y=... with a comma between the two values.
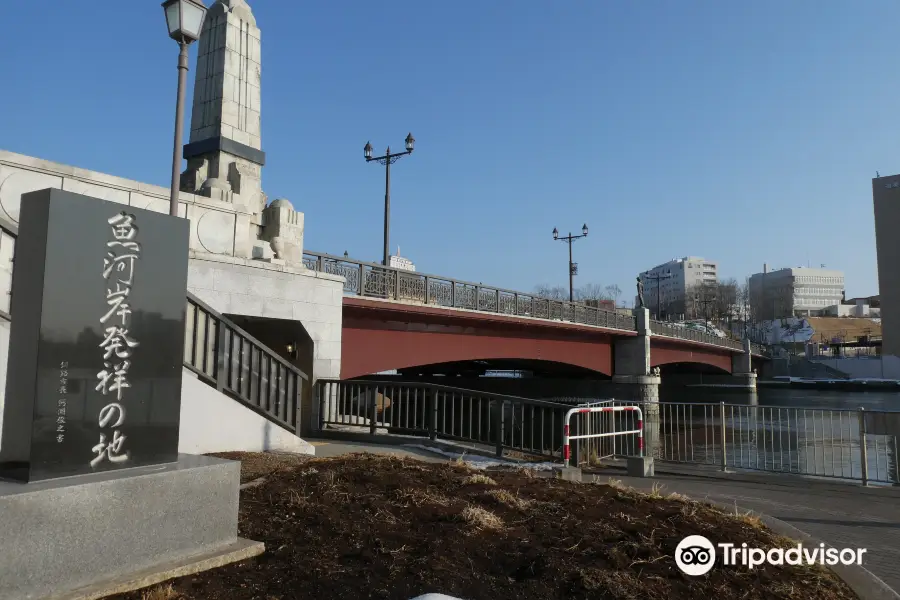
x=568, y=473
x=69, y=534
x=640, y=466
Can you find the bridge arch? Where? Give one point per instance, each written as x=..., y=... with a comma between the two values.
x=368, y=348
x=664, y=353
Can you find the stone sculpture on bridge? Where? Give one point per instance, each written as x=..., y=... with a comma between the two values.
x=640, y=292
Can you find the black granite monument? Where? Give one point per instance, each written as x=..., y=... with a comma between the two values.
x=96, y=339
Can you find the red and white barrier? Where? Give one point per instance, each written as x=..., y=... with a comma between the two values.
x=595, y=409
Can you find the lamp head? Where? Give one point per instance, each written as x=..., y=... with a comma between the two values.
x=184, y=19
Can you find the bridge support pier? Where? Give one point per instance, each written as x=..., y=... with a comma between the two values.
x=633, y=381
x=742, y=369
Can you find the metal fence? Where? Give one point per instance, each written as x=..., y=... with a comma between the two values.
x=504, y=423
x=778, y=439
x=801, y=441
x=231, y=360
x=376, y=281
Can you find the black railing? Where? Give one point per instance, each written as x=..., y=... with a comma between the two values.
x=376, y=281
x=219, y=352
x=228, y=358
x=503, y=423
x=859, y=445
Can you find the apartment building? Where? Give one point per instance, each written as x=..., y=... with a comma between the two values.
x=669, y=287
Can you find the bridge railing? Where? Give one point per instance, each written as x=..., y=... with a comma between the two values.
x=687, y=333
x=847, y=444
x=375, y=281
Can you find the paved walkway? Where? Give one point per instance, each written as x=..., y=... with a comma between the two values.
x=841, y=515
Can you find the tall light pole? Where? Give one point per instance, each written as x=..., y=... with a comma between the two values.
x=184, y=19
x=657, y=278
x=705, y=302
x=573, y=267
x=387, y=160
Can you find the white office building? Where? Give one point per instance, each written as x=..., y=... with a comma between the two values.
x=667, y=287
x=398, y=262
x=794, y=292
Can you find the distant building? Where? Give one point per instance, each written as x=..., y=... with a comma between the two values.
x=679, y=280
x=398, y=262
x=794, y=292
x=886, y=197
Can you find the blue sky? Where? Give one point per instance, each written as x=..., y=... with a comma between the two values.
x=744, y=132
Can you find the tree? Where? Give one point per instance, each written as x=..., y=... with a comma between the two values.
x=613, y=292
x=726, y=299
x=700, y=301
x=591, y=291
x=551, y=292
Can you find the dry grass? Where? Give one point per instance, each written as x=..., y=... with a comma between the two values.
x=747, y=518
x=418, y=497
x=504, y=497
x=161, y=592
x=478, y=478
x=480, y=519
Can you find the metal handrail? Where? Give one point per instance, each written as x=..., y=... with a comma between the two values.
x=363, y=279
x=373, y=280
x=850, y=444
x=234, y=362
x=437, y=411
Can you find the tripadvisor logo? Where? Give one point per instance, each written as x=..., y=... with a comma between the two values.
x=696, y=555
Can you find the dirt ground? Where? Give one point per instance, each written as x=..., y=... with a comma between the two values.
x=366, y=526
x=261, y=464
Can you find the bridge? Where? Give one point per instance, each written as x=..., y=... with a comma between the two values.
x=418, y=322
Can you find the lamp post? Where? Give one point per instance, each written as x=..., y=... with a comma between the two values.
x=387, y=160
x=705, y=302
x=184, y=19
x=657, y=278
x=573, y=267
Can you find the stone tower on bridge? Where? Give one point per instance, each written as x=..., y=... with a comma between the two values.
x=224, y=153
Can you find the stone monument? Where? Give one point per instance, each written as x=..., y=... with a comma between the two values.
x=92, y=410
x=224, y=153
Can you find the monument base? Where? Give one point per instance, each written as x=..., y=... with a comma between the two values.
x=77, y=533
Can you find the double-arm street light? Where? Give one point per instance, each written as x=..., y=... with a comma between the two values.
x=657, y=278
x=705, y=302
x=573, y=267
x=387, y=160
x=185, y=21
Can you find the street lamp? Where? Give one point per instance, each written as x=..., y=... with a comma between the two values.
x=184, y=19
x=573, y=267
x=387, y=160
x=657, y=278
